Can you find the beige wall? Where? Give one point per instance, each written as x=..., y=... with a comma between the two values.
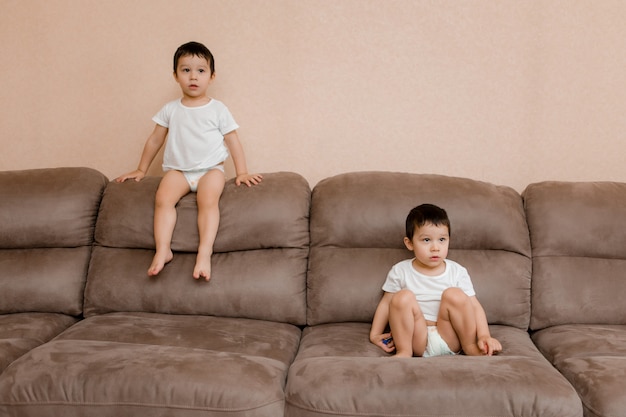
x=510, y=92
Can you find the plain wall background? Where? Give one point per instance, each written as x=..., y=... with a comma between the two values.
x=509, y=92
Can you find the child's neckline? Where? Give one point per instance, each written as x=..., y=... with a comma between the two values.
x=180, y=101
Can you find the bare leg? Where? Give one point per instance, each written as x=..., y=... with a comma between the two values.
x=457, y=323
x=210, y=189
x=407, y=323
x=172, y=188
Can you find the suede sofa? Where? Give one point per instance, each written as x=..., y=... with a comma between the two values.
x=282, y=327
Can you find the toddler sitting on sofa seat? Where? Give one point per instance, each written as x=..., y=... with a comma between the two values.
x=429, y=301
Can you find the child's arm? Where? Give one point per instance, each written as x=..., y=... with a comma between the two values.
x=487, y=344
x=150, y=149
x=379, y=323
x=239, y=159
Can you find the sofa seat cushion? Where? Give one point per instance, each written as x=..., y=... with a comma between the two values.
x=21, y=332
x=338, y=372
x=129, y=364
x=593, y=359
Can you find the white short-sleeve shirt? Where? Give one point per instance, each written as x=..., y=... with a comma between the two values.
x=195, y=138
x=428, y=289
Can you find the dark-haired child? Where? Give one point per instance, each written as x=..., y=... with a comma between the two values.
x=201, y=134
x=429, y=301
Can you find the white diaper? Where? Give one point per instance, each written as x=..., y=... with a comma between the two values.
x=436, y=346
x=193, y=177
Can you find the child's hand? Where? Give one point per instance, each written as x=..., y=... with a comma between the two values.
x=136, y=175
x=248, y=179
x=489, y=346
x=384, y=341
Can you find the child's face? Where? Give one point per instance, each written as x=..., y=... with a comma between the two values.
x=430, y=247
x=193, y=74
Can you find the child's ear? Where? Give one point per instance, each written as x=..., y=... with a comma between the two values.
x=408, y=244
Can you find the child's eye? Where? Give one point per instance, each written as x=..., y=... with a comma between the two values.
x=201, y=70
x=427, y=239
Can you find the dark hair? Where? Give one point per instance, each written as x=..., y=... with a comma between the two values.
x=423, y=214
x=194, y=49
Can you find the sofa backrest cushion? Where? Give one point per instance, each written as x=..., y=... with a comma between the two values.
x=259, y=261
x=578, y=237
x=47, y=220
x=357, y=231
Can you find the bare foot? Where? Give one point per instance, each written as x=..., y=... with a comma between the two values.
x=159, y=261
x=203, y=267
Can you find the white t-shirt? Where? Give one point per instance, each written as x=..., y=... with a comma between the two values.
x=195, y=138
x=427, y=289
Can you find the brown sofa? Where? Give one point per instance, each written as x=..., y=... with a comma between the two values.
x=282, y=327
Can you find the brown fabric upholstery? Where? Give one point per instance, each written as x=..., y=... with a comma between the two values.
x=136, y=364
x=259, y=265
x=579, y=281
x=357, y=228
x=593, y=358
x=273, y=214
x=282, y=327
x=579, y=252
x=172, y=345
x=49, y=208
x=21, y=332
x=338, y=372
x=47, y=220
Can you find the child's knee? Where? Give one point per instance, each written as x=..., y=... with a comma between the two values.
x=403, y=299
x=164, y=200
x=454, y=296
